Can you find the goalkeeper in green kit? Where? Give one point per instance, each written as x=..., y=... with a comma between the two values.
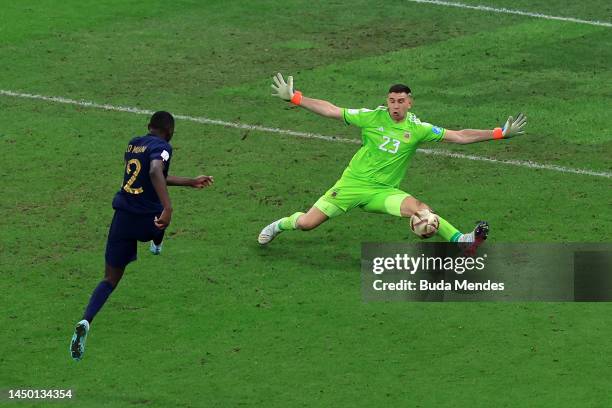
x=390, y=137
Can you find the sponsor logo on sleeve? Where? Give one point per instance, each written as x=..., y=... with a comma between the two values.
x=436, y=130
x=165, y=155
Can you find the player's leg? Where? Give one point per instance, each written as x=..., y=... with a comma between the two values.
x=446, y=230
x=342, y=197
x=297, y=221
x=156, y=247
x=401, y=204
x=470, y=241
x=156, y=241
x=120, y=250
x=320, y=212
x=326, y=207
x=305, y=222
x=149, y=232
x=112, y=276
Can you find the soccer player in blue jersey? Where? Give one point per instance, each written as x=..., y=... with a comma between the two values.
x=142, y=212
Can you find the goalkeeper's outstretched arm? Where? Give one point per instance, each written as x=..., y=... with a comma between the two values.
x=284, y=90
x=513, y=127
x=321, y=107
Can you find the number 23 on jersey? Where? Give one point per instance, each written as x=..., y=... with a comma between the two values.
x=389, y=145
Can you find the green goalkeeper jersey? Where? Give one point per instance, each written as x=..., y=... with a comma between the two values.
x=387, y=146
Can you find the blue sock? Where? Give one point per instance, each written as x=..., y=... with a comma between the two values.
x=97, y=300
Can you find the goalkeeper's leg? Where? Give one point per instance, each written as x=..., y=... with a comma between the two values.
x=470, y=241
x=402, y=204
x=446, y=230
x=326, y=207
x=305, y=222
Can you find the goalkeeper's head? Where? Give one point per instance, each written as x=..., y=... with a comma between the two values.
x=399, y=101
x=162, y=124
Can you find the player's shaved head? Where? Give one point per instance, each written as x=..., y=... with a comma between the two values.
x=162, y=124
x=400, y=88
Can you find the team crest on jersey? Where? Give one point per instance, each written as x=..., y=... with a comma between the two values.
x=406, y=135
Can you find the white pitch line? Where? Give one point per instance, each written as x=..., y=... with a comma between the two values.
x=516, y=12
x=206, y=121
x=306, y=135
x=519, y=163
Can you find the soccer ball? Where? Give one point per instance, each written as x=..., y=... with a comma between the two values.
x=424, y=223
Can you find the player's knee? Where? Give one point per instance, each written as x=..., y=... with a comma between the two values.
x=113, y=276
x=113, y=280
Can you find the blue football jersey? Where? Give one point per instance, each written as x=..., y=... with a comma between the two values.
x=137, y=194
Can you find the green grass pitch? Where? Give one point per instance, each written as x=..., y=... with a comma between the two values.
x=217, y=321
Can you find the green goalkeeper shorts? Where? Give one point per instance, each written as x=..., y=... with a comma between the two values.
x=349, y=193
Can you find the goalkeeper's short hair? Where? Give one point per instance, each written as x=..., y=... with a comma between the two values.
x=400, y=88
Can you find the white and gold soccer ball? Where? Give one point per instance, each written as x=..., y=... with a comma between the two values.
x=424, y=223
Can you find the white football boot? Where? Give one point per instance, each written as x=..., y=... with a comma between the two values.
x=269, y=233
x=77, y=344
x=155, y=249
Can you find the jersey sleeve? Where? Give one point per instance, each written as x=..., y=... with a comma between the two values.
x=161, y=151
x=430, y=133
x=359, y=117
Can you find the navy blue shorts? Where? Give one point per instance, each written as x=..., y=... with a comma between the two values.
x=125, y=230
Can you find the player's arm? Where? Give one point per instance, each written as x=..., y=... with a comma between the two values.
x=156, y=173
x=197, y=182
x=513, y=127
x=321, y=107
x=284, y=90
